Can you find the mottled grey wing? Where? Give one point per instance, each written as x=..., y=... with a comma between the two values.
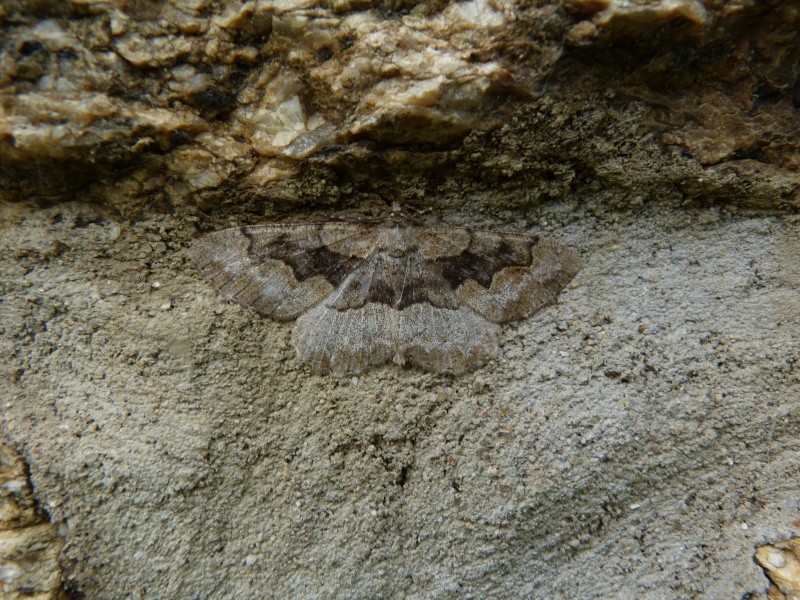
x=365, y=295
x=502, y=276
x=281, y=271
x=432, y=300
x=393, y=308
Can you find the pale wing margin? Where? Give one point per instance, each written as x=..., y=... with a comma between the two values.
x=281, y=270
x=504, y=276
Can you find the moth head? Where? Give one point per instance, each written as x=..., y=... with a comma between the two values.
x=407, y=213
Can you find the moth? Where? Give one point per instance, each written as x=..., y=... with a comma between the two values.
x=367, y=293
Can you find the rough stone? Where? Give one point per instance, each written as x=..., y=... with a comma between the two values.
x=781, y=563
x=698, y=97
x=636, y=439
x=29, y=544
x=624, y=438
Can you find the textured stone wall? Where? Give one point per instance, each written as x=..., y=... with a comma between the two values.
x=637, y=439
x=29, y=545
x=169, y=103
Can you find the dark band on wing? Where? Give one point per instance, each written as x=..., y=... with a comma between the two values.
x=481, y=267
x=393, y=281
x=305, y=262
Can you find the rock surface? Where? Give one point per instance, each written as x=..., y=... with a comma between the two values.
x=637, y=439
x=781, y=562
x=29, y=544
x=197, y=99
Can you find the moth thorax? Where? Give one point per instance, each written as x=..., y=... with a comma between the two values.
x=393, y=241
